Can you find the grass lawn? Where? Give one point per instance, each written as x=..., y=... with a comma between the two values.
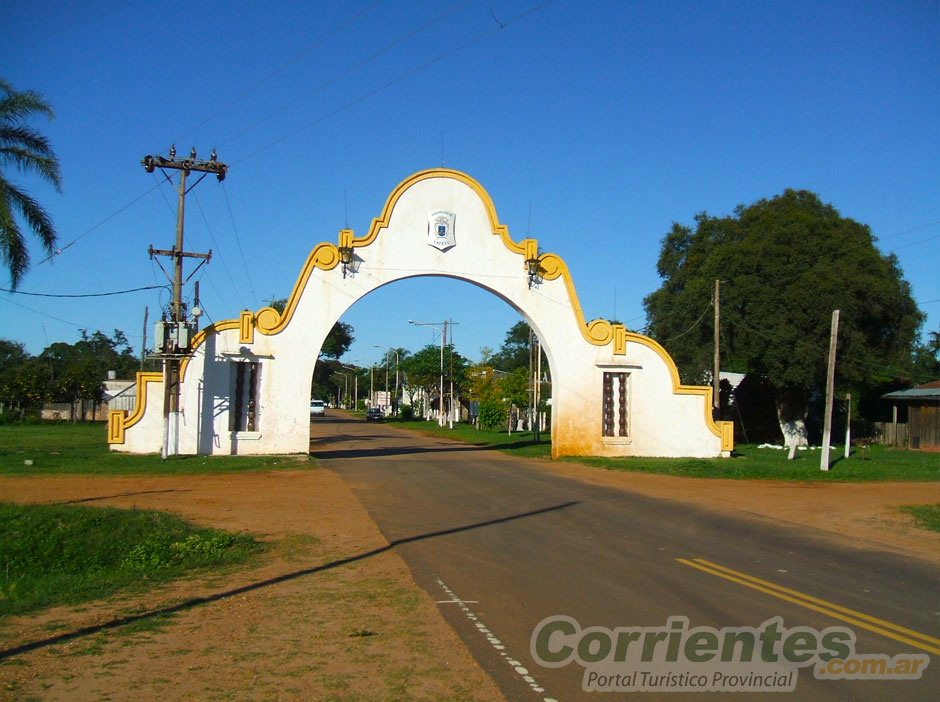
x=62, y=554
x=61, y=447
x=519, y=443
x=925, y=516
x=880, y=463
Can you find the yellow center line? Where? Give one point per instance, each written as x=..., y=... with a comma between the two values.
x=824, y=603
x=859, y=619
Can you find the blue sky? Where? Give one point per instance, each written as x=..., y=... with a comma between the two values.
x=606, y=120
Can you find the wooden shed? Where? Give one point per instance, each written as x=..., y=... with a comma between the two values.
x=923, y=414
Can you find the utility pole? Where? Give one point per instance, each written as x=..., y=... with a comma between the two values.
x=830, y=381
x=450, y=347
x=388, y=350
x=143, y=346
x=175, y=337
x=531, y=383
x=538, y=388
x=443, y=343
x=433, y=325
x=716, y=379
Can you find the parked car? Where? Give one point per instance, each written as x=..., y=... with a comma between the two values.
x=317, y=408
x=374, y=414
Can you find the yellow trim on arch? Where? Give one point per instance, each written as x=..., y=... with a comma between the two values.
x=244, y=324
x=727, y=435
x=718, y=429
x=116, y=426
x=119, y=421
x=325, y=256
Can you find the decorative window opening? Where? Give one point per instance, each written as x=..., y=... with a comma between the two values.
x=246, y=380
x=616, y=410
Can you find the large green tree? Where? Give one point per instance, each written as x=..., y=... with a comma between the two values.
x=784, y=265
x=515, y=351
x=422, y=370
x=26, y=150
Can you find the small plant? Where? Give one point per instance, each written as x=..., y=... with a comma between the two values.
x=407, y=412
x=361, y=633
x=57, y=554
x=492, y=414
x=925, y=516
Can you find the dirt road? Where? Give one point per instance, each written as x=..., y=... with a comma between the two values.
x=308, y=624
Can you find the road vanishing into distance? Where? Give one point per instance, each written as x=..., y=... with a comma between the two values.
x=502, y=544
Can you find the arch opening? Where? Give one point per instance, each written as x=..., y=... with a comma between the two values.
x=457, y=315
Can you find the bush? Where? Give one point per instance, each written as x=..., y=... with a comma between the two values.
x=492, y=414
x=59, y=554
x=407, y=412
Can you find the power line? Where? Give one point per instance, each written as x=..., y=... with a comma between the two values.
x=89, y=231
x=218, y=250
x=346, y=72
x=59, y=319
x=691, y=328
x=102, y=294
x=283, y=66
x=393, y=81
x=238, y=241
x=842, y=252
x=674, y=311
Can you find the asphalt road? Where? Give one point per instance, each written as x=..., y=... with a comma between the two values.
x=502, y=544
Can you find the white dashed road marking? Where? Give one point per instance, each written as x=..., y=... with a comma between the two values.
x=520, y=669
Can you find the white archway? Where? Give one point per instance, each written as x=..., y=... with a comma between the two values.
x=613, y=392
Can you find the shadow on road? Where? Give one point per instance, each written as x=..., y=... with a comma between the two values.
x=392, y=450
x=197, y=601
x=120, y=494
x=404, y=450
x=332, y=445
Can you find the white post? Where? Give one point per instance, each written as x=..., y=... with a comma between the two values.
x=397, y=366
x=848, y=424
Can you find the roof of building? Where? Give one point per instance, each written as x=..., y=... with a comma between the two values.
x=927, y=391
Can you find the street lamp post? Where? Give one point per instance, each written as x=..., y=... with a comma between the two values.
x=355, y=386
x=443, y=331
x=345, y=389
x=371, y=368
x=397, y=366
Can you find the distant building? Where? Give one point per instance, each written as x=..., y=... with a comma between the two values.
x=923, y=414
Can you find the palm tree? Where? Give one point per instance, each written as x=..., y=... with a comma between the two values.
x=28, y=151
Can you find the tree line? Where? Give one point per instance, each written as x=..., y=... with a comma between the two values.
x=499, y=381
x=63, y=372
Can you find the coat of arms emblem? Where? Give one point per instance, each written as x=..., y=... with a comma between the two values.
x=441, y=230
